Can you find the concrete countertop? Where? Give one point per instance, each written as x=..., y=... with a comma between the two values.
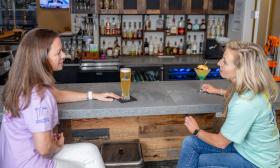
x=154, y=98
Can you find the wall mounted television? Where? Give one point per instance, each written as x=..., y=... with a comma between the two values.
x=62, y=4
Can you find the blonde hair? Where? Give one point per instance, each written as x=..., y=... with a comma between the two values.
x=252, y=72
x=30, y=69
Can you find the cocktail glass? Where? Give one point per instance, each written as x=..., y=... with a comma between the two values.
x=201, y=74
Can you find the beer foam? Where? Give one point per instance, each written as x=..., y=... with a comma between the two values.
x=125, y=70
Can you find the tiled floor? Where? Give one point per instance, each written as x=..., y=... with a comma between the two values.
x=161, y=164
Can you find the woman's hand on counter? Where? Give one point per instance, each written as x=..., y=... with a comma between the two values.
x=208, y=88
x=107, y=96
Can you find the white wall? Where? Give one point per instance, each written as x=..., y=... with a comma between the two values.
x=241, y=22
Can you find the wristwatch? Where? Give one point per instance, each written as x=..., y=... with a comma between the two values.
x=196, y=131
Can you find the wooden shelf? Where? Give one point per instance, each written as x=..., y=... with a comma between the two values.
x=154, y=31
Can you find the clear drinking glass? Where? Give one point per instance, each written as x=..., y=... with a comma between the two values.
x=125, y=77
x=201, y=74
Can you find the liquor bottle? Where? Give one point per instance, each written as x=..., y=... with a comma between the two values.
x=189, y=45
x=117, y=49
x=114, y=27
x=125, y=48
x=213, y=29
x=160, y=47
x=159, y=23
x=175, y=49
x=167, y=30
x=151, y=46
x=124, y=34
x=102, y=27
x=209, y=29
x=118, y=26
x=146, y=47
x=181, y=27
x=134, y=31
x=148, y=23
x=101, y=4
x=139, y=31
x=129, y=32
x=223, y=28
x=218, y=28
x=108, y=27
x=156, y=46
x=139, y=52
x=109, y=50
x=168, y=49
x=106, y=4
x=195, y=25
x=194, y=45
x=181, y=47
x=173, y=29
x=201, y=44
x=133, y=49
x=103, y=50
x=189, y=24
x=202, y=25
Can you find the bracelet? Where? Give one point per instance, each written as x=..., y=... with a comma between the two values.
x=196, y=131
x=89, y=95
x=221, y=92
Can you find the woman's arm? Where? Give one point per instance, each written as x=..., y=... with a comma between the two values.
x=217, y=140
x=64, y=96
x=46, y=143
x=208, y=88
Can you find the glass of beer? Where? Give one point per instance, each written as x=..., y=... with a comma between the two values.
x=125, y=83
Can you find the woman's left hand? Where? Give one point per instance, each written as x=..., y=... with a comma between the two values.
x=191, y=124
x=107, y=96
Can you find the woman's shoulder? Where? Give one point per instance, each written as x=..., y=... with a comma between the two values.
x=42, y=93
x=249, y=97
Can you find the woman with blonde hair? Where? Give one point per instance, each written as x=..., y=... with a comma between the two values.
x=27, y=139
x=249, y=136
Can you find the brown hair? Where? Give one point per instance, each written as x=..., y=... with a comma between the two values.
x=29, y=70
x=252, y=71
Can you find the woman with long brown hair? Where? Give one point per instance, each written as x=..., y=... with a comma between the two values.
x=249, y=136
x=30, y=109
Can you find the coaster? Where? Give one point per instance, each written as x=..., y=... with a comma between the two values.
x=126, y=101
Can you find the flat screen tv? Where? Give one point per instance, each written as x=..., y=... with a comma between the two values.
x=54, y=4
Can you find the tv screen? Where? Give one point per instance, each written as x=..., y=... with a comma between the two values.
x=54, y=4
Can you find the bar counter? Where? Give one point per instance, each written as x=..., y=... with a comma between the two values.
x=153, y=98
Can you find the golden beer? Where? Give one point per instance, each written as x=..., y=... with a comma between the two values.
x=125, y=77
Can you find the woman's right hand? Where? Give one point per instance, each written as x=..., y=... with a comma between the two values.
x=208, y=88
x=59, y=139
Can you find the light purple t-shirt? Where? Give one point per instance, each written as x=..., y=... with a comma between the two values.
x=16, y=143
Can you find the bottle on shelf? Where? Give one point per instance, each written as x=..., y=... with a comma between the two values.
x=218, y=28
x=118, y=26
x=195, y=25
x=201, y=44
x=109, y=50
x=133, y=49
x=209, y=29
x=194, y=45
x=102, y=27
x=160, y=47
x=114, y=26
x=156, y=46
x=103, y=50
x=108, y=27
x=188, y=45
x=139, y=31
x=101, y=4
x=167, y=48
x=124, y=31
x=151, y=46
x=106, y=4
x=213, y=29
x=181, y=47
x=146, y=47
x=189, y=24
x=125, y=48
x=139, y=51
x=181, y=26
x=134, y=31
x=173, y=29
x=129, y=32
x=159, y=23
x=223, y=28
x=202, y=25
x=148, y=23
x=168, y=26
x=175, y=49
x=117, y=49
